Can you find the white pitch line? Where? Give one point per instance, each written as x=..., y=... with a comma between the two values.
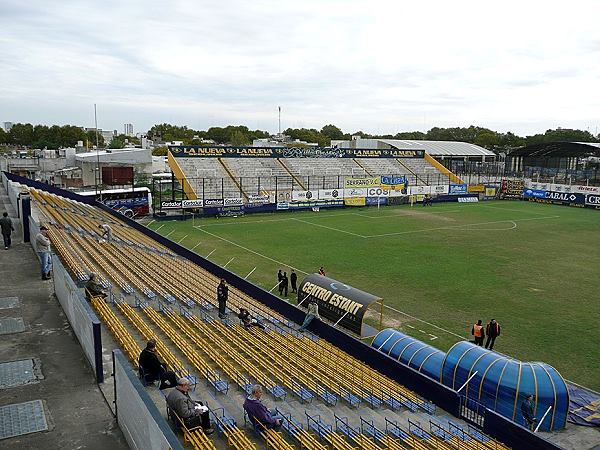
x=513, y=210
x=432, y=337
x=450, y=227
x=329, y=228
x=172, y=231
x=410, y=326
x=423, y=331
x=227, y=263
x=408, y=214
x=160, y=227
x=150, y=223
x=251, y=251
x=211, y=253
x=424, y=321
x=199, y=242
x=249, y=273
x=182, y=238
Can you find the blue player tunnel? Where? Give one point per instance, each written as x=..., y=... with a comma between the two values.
x=500, y=383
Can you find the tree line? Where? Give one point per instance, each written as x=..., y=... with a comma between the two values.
x=54, y=137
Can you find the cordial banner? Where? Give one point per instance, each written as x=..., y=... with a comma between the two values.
x=336, y=300
x=191, y=204
x=233, y=201
x=171, y=205
x=213, y=202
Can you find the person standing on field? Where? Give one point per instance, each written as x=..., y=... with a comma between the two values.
x=293, y=280
x=478, y=332
x=285, y=284
x=493, y=331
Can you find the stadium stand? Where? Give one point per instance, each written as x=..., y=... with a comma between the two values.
x=159, y=295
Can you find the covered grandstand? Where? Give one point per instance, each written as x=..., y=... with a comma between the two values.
x=567, y=161
x=344, y=393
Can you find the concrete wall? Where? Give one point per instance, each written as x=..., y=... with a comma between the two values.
x=82, y=317
x=138, y=417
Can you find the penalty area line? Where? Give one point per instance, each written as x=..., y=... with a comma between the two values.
x=251, y=251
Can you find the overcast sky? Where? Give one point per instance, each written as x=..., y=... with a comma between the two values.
x=379, y=66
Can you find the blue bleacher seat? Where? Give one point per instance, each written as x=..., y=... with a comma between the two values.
x=341, y=425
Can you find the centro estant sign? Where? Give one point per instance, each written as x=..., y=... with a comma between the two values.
x=336, y=300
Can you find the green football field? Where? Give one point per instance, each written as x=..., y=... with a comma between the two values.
x=532, y=267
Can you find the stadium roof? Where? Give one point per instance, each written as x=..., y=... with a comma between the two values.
x=434, y=148
x=558, y=150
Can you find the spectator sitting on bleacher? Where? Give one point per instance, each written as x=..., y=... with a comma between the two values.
x=93, y=288
x=248, y=321
x=193, y=413
x=257, y=412
x=106, y=231
x=155, y=370
x=313, y=313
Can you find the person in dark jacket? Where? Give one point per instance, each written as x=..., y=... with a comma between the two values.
x=257, y=412
x=193, y=413
x=222, y=294
x=478, y=333
x=247, y=320
x=7, y=229
x=93, y=288
x=527, y=411
x=153, y=369
x=285, y=284
x=493, y=331
x=293, y=280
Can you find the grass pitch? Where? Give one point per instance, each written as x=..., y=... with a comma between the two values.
x=532, y=267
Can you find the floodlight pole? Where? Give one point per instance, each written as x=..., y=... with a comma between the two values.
x=98, y=179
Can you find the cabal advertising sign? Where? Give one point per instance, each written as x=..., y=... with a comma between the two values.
x=336, y=300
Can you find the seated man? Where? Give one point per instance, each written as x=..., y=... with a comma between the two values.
x=154, y=369
x=106, y=232
x=313, y=313
x=257, y=412
x=93, y=288
x=193, y=413
x=247, y=320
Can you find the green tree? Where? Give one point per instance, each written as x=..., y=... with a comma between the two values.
x=238, y=139
x=332, y=132
x=90, y=137
x=21, y=134
x=3, y=136
x=160, y=151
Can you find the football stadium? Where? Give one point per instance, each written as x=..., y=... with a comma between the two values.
x=392, y=256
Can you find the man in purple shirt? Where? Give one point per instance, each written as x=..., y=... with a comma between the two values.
x=257, y=412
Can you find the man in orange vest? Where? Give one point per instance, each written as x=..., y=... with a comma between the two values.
x=478, y=332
